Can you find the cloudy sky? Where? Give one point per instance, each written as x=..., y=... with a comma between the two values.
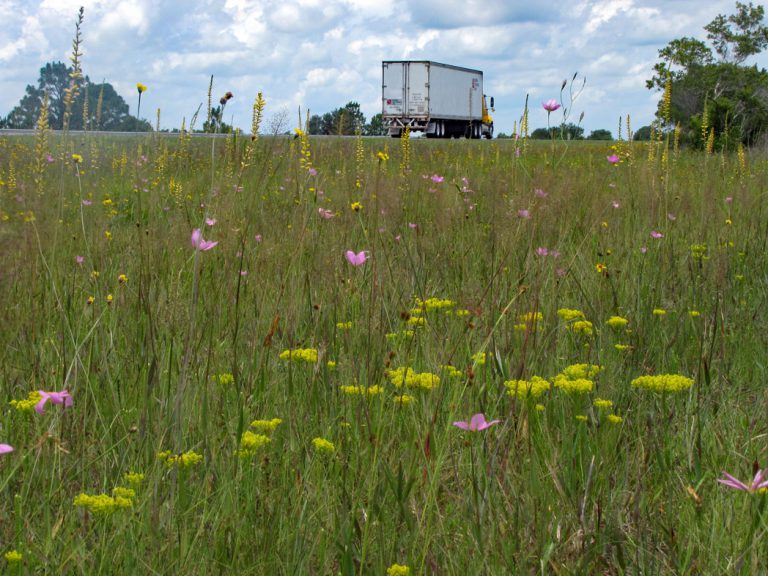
x=320, y=54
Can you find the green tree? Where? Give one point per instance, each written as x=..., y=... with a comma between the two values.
x=600, y=134
x=342, y=121
x=643, y=134
x=710, y=87
x=113, y=114
x=375, y=127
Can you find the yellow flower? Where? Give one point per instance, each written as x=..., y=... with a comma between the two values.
x=185, y=460
x=308, y=355
x=582, y=327
x=663, y=383
x=141, y=87
x=28, y=404
x=12, y=556
x=532, y=388
x=250, y=444
x=108, y=235
x=403, y=399
x=382, y=156
x=694, y=313
x=76, y=158
x=90, y=300
x=539, y=407
x=102, y=504
x=398, y=570
x=122, y=278
x=621, y=347
x=614, y=419
x=343, y=325
x=406, y=376
x=602, y=404
x=224, y=379
x=569, y=315
x=323, y=446
x=95, y=274
x=659, y=311
x=581, y=418
x=601, y=268
x=356, y=206
x=362, y=390
x=133, y=478
x=266, y=425
x=617, y=322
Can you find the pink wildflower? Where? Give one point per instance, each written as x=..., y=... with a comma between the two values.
x=198, y=243
x=550, y=105
x=210, y=221
x=436, y=179
x=62, y=397
x=613, y=159
x=325, y=214
x=616, y=204
x=476, y=423
x=356, y=259
x=5, y=448
x=656, y=234
x=523, y=214
x=79, y=259
x=541, y=251
x=759, y=482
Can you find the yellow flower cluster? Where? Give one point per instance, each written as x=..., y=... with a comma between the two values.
x=300, y=355
x=583, y=327
x=104, y=504
x=185, y=460
x=699, y=252
x=532, y=388
x=323, y=446
x=362, y=390
x=251, y=443
x=617, y=322
x=343, y=325
x=569, y=315
x=409, y=378
x=392, y=336
x=133, y=478
x=479, y=358
x=452, y=371
x=434, y=303
x=266, y=425
x=659, y=312
x=12, y=556
x=577, y=378
x=403, y=399
x=398, y=570
x=602, y=404
x=614, y=419
x=663, y=383
x=224, y=379
x=529, y=322
x=29, y=404
x=416, y=321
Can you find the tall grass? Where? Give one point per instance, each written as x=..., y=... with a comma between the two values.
x=556, y=487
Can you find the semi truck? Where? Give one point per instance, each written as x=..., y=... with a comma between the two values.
x=439, y=100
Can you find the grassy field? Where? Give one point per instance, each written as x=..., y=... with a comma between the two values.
x=265, y=403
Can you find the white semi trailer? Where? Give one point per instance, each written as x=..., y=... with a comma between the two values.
x=440, y=100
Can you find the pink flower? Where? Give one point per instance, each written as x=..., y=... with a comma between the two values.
x=210, y=221
x=541, y=251
x=671, y=217
x=728, y=199
x=616, y=204
x=48, y=158
x=476, y=423
x=656, y=234
x=436, y=179
x=5, y=448
x=198, y=243
x=62, y=397
x=758, y=482
x=79, y=259
x=412, y=226
x=356, y=259
x=86, y=202
x=257, y=238
x=397, y=238
x=523, y=214
x=643, y=249
x=550, y=105
x=243, y=272
x=312, y=172
x=325, y=214
x=613, y=159
x=540, y=193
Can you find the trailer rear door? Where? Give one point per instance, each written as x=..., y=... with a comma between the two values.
x=393, y=88
x=418, y=88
